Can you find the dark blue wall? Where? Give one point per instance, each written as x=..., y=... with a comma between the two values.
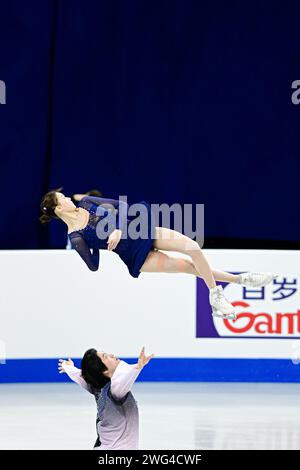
x=167, y=101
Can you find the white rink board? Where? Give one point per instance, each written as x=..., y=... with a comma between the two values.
x=53, y=306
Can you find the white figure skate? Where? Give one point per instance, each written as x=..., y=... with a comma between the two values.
x=220, y=305
x=250, y=279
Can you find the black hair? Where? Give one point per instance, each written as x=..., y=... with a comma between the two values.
x=92, y=369
x=94, y=192
x=48, y=204
x=91, y=192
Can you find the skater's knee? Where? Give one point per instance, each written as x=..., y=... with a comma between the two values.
x=191, y=246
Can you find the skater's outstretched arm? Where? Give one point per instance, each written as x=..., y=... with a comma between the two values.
x=73, y=372
x=122, y=207
x=78, y=197
x=125, y=375
x=80, y=245
x=122, y=380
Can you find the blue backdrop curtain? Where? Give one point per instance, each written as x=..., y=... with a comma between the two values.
x=170, y=101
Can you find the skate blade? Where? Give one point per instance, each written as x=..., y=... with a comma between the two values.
x=228, y=316
x=274, y=276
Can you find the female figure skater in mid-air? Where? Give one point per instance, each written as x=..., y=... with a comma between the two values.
x=140, y=254
x=110, y=380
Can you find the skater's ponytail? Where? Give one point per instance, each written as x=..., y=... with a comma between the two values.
x=92, y=369
x=47, y=206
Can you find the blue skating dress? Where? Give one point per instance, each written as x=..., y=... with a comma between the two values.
x=133, y=252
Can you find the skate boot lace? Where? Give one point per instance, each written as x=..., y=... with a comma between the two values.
x=219, y=294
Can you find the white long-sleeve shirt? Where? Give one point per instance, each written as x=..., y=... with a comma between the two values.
x=118, y=424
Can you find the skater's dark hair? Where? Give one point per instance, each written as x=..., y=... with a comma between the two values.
x=48, y=204
x=94, y=192
x=92, y=369
x=91, y=192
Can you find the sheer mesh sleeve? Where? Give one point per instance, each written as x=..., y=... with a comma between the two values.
x=75, y=374
x=122, y=207
x=123, y=379
x=82, y=248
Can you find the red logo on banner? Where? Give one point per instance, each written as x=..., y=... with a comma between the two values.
x=264, y=322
